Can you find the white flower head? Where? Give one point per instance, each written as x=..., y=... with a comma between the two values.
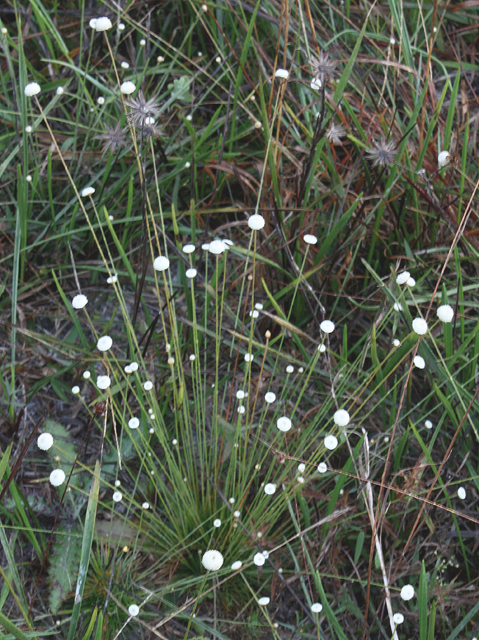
x=327, y=326
x=121, y=26
x=100, y=100
x=236, y=565
x=443, y=159
x=248, y=357
x=330, y=442
x=88, y=191
x=117, y=496
x=212, y=560
x=217, y=523
x=270, y=397
x=161, y=263
x=322, y=468
x=284, y=424
x=403, y=277
x=397, y=306
x=125, y=65
x=396, y=342
x=270, y=488
x=420, y=326
x=133, y=366
x=103, y=24
x=93, y=22
x=217, y=247
x=398, y=618
x=407, y=592
x=188, y=248
x=411, y=282
x=45, y=441
x=240, y=394
x=289, y=369
x=310, y=239
x=341, y=418
x=75, y=390
x=461, y=493
x=316, y=607
x=445, y=313
x=191, y=273
x=428, y=424
x=57, y=477
x=263, y=602
x=301, y=468
x=259, y=559
x=148, y=386
x=419, y=362
x=133, y=610
x=241, y=409
x=145, y=505
x=104, y=343
x=322, y=348
x=392, y=41
x=31, y=89
x=127, y=88
x=60, y=91
x=316, y=84
x=112, y=279
x=103, y=382
x=134, y=423
x=281, y=73
x=256, y=222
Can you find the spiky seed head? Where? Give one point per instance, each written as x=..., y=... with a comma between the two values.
x=382, y=153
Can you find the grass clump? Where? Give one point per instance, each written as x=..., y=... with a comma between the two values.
x=241, y=282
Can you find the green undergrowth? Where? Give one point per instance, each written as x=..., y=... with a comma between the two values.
x=236, y=191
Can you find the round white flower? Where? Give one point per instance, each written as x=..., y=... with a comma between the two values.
x=101, y=100
x=241, y=409
x=236, y=565
x=270, y=397
x=407, y=592
x=461, y=493
x=397, y=306
x=316, y=607
x=103, y=24
x=240, y=394
x=125, y=65
x=259, y=559
x=117, y=496
x=60, y=91
x=236, y=514
x=270, y=489
x=316, y=84
x=75, y=390
x=191, y=273
x=145, y=505
x=142, y=42
x=256, y=222
x=121, y=26
x=127, y=87
x=216, y=247
x=28, y=129
x=403, y=277
x=327, y=326
x=112, y=279
x=281, y=73
x=289, y=369
x=301, y=468
x=103, y=382
x=217, y=523
x=57, y=477
x=93, y=23
x=264, y=601
x=330, y=442
x=322, y=348
x=134, y=423
x=133, y=610
x=411, y=282
x=396, y=342
x=87, y=191
x=133, y=366
x=161, y=263
x=45, y=441
x=248, y=357
x=189, y=248
x=420, y=326
x=148, y=386
x=341, y=418
x=322, y=467
x=31, y=89
x=443, y=159
x=392, y=41
x=445, y=313
x=127, y=369
x=300, y=479
x=105, y=343
x=212, y=560
x=284, y=424
x=419, y=362
x=398, y=618
x=428, y=424
x=310, y=239
x=253, y=314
